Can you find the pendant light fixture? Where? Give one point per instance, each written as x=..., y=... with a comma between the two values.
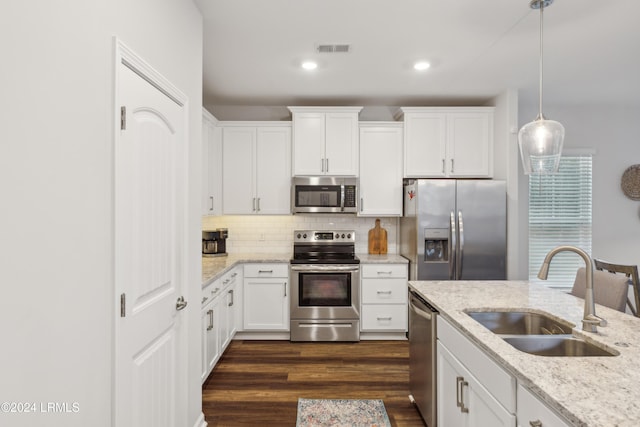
x=541, y=140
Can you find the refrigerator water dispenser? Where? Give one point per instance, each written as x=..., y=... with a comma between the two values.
x=436, y=245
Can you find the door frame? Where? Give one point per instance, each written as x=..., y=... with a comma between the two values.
x=123, y=55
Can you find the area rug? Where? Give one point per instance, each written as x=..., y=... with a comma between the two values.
x=341, y=413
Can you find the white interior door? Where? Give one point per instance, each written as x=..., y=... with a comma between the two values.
x=150, y=383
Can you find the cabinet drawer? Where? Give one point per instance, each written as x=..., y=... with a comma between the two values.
x=383, y=271
x=266, y=270
x=495, y=379
x=380, y=291
x=211, y=291
x=382, y=317
x=531, y=409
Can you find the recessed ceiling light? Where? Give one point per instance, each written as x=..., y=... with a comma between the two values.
x=309, y=65
x=421, y=65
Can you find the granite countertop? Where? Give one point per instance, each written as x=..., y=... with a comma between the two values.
x=382, y=259
x=214, y=267
x=587, y=391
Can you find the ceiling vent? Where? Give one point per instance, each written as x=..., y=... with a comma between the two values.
x=333, y=48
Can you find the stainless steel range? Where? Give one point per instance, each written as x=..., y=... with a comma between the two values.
x=325, y=286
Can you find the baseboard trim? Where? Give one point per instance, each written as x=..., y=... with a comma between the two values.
x=200, y=422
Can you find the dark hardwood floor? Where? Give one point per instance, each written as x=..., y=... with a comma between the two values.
x=259, y=382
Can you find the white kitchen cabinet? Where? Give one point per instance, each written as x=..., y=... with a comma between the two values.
x=219, y=317
x=211, y=165
x=533, y=412
x=473, y=390
x=266, y=297
x=448, y=142
x=380, y=169
x=210, y=329
x=384, y=297
x=325, y=141
x=462, y=400
x=256, y=168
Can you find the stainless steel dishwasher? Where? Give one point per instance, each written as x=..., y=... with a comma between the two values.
x=422, y=357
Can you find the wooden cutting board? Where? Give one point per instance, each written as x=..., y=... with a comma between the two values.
x=377, y=240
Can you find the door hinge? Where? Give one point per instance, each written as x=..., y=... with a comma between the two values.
x=123, y=118
x=123, y=305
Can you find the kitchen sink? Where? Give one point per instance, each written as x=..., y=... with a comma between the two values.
x=557, y=345
x=538, y=333
x=520, y=323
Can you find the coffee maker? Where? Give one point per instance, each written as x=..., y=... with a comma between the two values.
x=214, y=242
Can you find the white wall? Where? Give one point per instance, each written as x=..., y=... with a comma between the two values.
x=612, y=131
x=56, y=176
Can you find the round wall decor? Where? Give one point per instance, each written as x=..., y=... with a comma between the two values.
x=630, y=182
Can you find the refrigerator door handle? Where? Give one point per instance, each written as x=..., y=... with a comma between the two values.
x=452, y=251
x=460, y=246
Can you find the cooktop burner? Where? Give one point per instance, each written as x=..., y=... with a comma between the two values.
x=324, y=247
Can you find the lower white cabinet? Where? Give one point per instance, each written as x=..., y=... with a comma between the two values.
x=266, y=297
x=473, y=390
x=384, y=298
x=210, y=334
x=219, y=317
x=462, y=400
x=534, y=413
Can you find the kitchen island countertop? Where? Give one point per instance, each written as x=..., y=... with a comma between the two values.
x=587, y=391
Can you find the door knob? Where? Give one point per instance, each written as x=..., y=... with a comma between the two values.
x=180, y=304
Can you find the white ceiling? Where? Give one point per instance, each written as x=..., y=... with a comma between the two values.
x=253, y=50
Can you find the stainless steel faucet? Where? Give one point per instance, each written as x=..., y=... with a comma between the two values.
x=590, y=321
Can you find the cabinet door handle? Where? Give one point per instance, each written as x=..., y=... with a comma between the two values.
x=361, y=204
x=322, y=165
x=231, y=302
x=442, y=165
x=327, y=161
x=451, y=165
x=536, y=423
x=285, y=288
x=211, y=198
x=460, y=384
x=258, y=204
x=210, y=313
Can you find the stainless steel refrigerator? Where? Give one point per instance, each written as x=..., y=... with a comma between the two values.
x=454, y=229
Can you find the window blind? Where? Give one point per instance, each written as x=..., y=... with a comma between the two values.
x=560, y=214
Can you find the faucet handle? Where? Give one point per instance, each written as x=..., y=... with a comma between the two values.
x=592, y=319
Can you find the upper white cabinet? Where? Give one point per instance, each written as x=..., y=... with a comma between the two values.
x=256, y=168
x=325, y=140
x=442, y=142
x=380, y=169
x=211, y=165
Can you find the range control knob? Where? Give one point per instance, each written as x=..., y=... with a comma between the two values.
x=299, y=235
x=343, y=235
x=348, y=235
x=337, y=236
x=304, y=236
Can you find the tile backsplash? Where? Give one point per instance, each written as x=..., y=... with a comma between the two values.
x=274, y=233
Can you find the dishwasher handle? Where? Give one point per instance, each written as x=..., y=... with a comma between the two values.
x=419, y=310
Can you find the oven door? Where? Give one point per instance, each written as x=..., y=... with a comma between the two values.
x=325, y=292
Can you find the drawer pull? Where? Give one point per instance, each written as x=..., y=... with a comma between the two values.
x=536, y=423
x=204, y=299
x=384, y=292
x=388, y=318
x=265, y=271
x=385, y=272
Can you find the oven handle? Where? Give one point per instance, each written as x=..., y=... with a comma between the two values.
x=323, y=268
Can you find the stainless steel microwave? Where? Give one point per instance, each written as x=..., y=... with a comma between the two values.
x=324, y=194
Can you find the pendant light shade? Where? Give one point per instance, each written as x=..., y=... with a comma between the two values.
x=541, y=140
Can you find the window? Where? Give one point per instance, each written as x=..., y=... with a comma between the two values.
x=560, y=214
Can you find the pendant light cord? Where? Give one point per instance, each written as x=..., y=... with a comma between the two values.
x=540, y=116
